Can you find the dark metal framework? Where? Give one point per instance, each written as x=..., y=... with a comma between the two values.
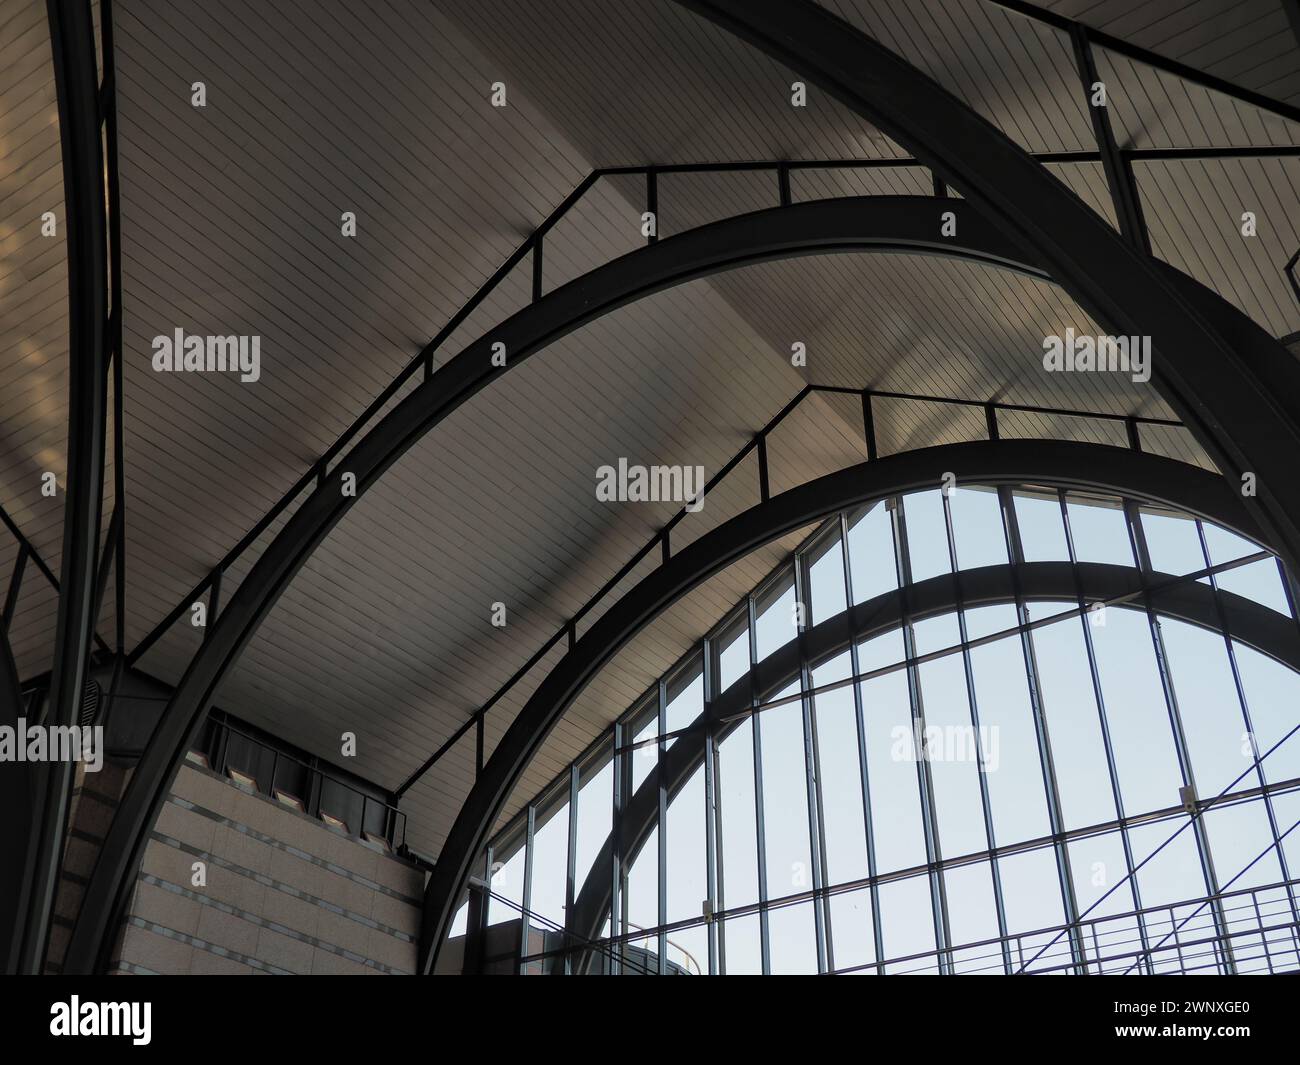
x=1120, y=286
x=532, y=248
x=1113, y=470
x=871, y=398
x=1216, y=374
x=580, y=945
x=874, y=223
x=81, y=100
x=1217, y=368
x=1125, y=48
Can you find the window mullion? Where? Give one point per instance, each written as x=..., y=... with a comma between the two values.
x=877, y=932
x=938, y=891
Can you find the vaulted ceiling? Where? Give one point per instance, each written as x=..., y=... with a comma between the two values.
x=231, y=224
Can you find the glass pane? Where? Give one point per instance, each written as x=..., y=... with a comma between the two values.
x=880, y=651
x=1174, y=874
x=785, y=801
x=927, y=535
x=685, y=695
x=1286, y=808
x=1142, y=738
x=973, y=918
x=1272, y=694
x=1031, y=893
x=640, y=957
x=907, y=925
x=733, y=659
x=1241, y=842
x=793, y=940
x=460, y=921
x=688, y=951
x=775, y=624
x=550, y=868
x=641, y=888
x=892, y=774
x=986, y=620
x=645, y=754
x=936, y=634
x=1099, y=531
x=595, y=815
x=1097, y=866
x=871, y=554
x=741, y=946
x=1172, y=543
x=687, y=872
x=1225, y=546
x=507, y=881
x=843, y=822
x=826, y=582
x=1042, y=534
x=738, y=864
x=852, y=937
x=1259, y=581
x=952, y=748
x=1012, y=766
x=1073, y=724
x=1208, y=705
x=977, y=527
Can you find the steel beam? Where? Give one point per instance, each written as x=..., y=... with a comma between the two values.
x=1119, y=171
x=72, y=39
x=1265, y=631
x=1082, y=466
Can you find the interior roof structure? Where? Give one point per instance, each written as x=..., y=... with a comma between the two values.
x=230, y=223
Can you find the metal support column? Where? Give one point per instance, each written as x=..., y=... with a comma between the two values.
x=76, y=76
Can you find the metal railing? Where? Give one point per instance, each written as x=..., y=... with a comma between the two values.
x=1181, y=938
x=217, y=751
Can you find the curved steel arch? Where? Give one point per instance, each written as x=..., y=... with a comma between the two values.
x=1256, y=626
x=31, y=871
x=1083, y=466
x=1231, y=383
x=899, y=224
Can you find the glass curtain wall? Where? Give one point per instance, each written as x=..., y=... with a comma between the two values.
x=1000, y=785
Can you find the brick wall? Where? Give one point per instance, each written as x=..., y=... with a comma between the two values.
x=283, y=893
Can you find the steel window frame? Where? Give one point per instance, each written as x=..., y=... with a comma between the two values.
x=1095, y=467
x=937, y=595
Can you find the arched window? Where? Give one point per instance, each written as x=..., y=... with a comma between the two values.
x=965, y=730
